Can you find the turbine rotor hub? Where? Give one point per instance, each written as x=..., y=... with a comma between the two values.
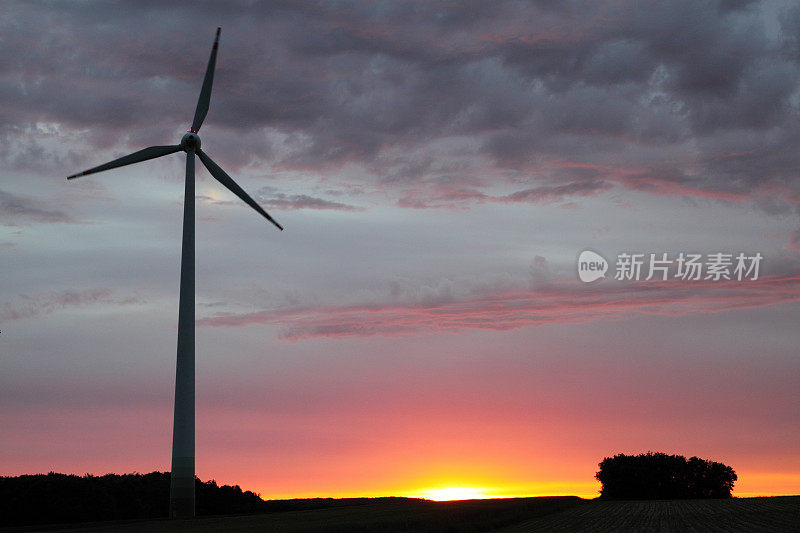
x=190, y=141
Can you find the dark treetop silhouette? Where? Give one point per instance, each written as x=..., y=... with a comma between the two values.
x=658, y=476
x=182, y=480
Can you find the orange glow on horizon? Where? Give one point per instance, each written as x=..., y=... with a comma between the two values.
x=455, y=493
x=767, y=484
x=453, y=490
x=748, y=486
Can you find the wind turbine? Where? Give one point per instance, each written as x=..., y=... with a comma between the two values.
x=181, y=492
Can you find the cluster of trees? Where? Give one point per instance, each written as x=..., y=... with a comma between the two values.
x=658, y=476
x=65, y=498
x=62, y=498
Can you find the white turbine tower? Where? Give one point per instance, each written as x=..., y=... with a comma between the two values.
x=181, y=496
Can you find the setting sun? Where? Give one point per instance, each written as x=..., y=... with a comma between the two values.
x=455, y=493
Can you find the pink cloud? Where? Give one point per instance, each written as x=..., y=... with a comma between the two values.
x=559, y=302
x=664, y=187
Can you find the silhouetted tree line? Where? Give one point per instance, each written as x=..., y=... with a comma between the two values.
x=61, y=498
x=57, y=498
x=658, y=476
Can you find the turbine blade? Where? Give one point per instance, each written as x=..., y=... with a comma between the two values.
x=205, y=92
x=142, y=155
x=228, y=182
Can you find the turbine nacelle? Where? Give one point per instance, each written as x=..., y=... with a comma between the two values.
x=190, y=142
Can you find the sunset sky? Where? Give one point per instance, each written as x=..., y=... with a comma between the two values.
x=438, y=167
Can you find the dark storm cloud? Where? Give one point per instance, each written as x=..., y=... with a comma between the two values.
x=528, y=85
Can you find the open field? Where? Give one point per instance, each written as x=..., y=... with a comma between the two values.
x=507, y=515
x=780, y=513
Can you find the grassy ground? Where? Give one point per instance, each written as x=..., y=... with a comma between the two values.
x=510, y=515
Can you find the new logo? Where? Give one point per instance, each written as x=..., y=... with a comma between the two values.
x=591, y=266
